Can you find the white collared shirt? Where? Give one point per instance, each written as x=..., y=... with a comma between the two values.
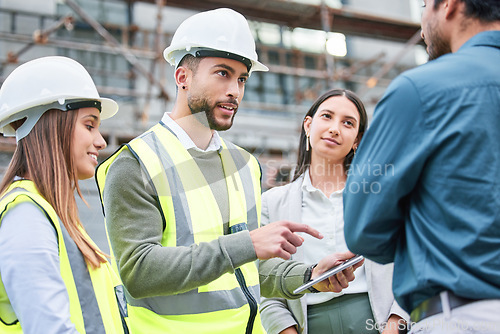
x=327, y=216
x=186, y=141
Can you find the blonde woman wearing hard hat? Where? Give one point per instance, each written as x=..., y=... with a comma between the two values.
x=54, y=279
x=182, y=205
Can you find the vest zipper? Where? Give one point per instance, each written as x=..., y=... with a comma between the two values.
x=251, y=300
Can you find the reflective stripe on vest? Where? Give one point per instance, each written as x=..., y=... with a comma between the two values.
x=167, y=165
x=93, y=304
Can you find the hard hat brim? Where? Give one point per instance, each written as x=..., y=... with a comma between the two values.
x=109, y=108
x=173, y=56
x=258, y=66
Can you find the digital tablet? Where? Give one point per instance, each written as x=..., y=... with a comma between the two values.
x=330, y=272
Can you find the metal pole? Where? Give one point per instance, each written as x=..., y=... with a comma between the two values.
x=129, y=56
x=326, y=24
x=157, y=50
x=372, y=82
x=39, y=37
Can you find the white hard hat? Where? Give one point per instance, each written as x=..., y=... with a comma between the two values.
x=47, y=83
x=220, y=32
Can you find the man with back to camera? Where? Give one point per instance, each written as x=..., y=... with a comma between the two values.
x=182, y=205
x=435, y=210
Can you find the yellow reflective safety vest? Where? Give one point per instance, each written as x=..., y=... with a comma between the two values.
x=96, y=298
x=191, y=215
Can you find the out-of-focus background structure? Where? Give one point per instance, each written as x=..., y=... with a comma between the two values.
x=308, y=45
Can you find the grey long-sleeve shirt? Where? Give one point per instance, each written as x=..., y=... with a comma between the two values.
x=135, y=229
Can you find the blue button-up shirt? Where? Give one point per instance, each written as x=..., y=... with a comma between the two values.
x=424, y=187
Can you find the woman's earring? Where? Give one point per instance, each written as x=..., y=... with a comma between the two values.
x=354, y=148
x=307, y=142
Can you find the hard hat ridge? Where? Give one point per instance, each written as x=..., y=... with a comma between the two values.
x=219, y=30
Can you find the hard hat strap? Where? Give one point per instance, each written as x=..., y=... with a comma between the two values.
x=32, y=115
x=83, y=104
x=223, y=54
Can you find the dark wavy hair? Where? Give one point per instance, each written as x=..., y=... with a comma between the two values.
x=304, y=157
x=483, y=10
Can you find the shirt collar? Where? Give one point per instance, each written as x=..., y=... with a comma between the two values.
x=214, y=145
x=307, y=185
x=485, y=38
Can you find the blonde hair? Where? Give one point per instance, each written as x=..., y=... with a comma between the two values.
x=44, y=157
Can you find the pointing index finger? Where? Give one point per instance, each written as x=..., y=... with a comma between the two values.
x=297, y=227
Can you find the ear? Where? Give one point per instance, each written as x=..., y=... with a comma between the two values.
x=451, y=7
x=307, y=124
x=182, y=76
x=356, y=143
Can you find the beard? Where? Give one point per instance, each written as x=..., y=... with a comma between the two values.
x=436, y=44
x=437, y=49
x=201, y=107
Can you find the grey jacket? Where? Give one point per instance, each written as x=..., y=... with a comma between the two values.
x=285, y=203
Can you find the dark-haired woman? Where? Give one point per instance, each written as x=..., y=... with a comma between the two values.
x=332, y=130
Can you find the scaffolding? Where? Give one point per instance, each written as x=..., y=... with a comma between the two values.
x=126, y=62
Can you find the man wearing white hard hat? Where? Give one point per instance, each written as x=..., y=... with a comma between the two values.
x=182, y=205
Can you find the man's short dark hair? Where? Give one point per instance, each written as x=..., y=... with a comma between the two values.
x=483, y=10
x=190, y=62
